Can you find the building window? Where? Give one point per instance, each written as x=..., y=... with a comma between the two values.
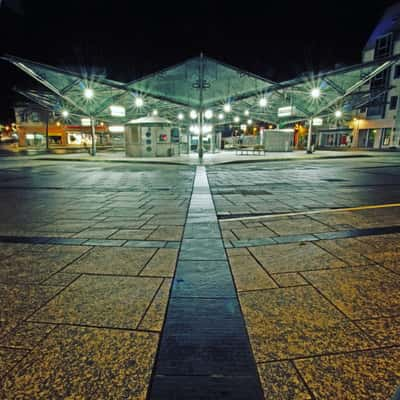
x=384, y=46
x=397, y=72
x=393, y=103
x=385, y=136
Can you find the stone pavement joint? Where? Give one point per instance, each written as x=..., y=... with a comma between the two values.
x=204, y=348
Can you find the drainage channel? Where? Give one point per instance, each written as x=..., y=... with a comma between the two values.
x=204, y=351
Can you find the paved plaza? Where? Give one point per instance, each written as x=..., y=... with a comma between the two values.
x=268, y=280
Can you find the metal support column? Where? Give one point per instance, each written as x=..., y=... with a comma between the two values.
x=47, y=130
x=309, y=137
x=93, y=132
x=201, y=111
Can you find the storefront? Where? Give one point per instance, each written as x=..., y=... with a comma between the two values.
x=335, y=138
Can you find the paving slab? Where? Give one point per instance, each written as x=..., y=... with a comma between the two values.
x=360, y=292
x=249, y=275
x=79, y=362
x=359, y=375
x=280, y=380
x=154, y=317
x=113, y=261
x=295, y=257
x=103, y=301
x=295, y=322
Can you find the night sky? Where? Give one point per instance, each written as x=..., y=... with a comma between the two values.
x=126, y=39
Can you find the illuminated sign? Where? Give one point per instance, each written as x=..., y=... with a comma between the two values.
x=117, y=111
x=287, y=111
x=317, y=121
x=116, y=128
x=85, y=122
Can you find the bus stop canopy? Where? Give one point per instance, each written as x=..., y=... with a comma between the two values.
x=202, y=83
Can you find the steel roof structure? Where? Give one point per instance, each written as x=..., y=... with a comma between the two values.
x=202, y=83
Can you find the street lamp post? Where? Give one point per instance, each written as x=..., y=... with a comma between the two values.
x=47, y=130
x=201, y=111
x=309, y=137
x=93, y=133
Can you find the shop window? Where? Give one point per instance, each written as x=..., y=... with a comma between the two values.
x=393, y=103
x=386, y=133
x=54, y=139
x=34, y=139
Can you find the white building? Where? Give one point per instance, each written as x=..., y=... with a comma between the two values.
x=378, y=125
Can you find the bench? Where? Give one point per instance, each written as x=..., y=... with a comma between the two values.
x=257, y=149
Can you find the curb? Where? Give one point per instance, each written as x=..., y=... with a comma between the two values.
x=183, y=163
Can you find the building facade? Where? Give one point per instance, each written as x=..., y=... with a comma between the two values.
x=31, y=126
x=378, y=124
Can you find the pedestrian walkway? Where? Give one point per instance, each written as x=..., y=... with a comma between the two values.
x=223, y=157
x=204, y=350
x=174, y=282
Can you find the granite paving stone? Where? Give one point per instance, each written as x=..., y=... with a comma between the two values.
x=385, y=331
x=79, y=362
x=348, y=250
x=296, y=226
x=294, y=257
x=162, y=264
x=28, y=267
x=131, y=234
x=280, y=380
x=60, y=279
x=290, y=279
x=170, y=233
x=98, y=233
x=17, y=302
x=360, y=292
x=249, y=275
x=294, y=322
x=26, y=335
x=107, y=301
x=154, y=317
x=238, y=252
x=253, y=233
x=114, y=261
x=8, y=359
x=361, y=375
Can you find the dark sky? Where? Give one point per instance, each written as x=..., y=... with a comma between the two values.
x=277, y=39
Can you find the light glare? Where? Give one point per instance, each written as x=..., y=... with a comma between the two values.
x=139, y=102
x=208, y=114
x=315, y=93
x=263, y=102
x=227, y=107
x=88, y=93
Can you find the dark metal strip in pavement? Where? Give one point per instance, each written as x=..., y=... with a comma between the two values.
x=90, y=242
x=191, y=246
x=204, y=350
x=251, y=216
x=270, y=241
